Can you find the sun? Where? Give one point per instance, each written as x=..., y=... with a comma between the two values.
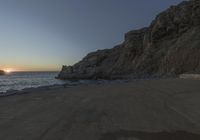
x=8, y=70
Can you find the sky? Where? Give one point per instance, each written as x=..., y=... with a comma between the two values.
x=43, y=35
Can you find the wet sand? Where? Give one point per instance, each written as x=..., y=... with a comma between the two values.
x=167, y=109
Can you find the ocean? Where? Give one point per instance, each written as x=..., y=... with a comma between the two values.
x=22, y=80
x=17, y=81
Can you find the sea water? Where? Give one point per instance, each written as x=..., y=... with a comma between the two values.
x=22, y=80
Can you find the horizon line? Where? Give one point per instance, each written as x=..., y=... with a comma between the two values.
x=36, y=71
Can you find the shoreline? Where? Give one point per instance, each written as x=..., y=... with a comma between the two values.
x=28, y=90
x=72, y=83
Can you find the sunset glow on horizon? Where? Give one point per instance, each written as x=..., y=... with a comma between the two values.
x=11, y=69
x=8, y=70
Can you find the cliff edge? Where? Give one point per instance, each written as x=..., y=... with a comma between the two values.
x=168, y=47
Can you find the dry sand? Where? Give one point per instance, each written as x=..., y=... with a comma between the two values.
x=146, y=110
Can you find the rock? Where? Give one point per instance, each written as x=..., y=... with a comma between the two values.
x=2, y=72
x=168, y=47
x=189, y=76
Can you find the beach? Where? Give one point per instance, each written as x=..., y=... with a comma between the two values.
x=160, y=109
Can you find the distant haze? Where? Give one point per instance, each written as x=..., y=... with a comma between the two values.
x=41, y=35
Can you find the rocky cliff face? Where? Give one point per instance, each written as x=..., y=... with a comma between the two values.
x=168, y=47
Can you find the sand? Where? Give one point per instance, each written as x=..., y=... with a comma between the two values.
x=167, y=109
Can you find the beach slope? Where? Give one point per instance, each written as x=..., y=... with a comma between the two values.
x=141, y=110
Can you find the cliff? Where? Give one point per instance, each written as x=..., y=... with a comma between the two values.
x=168, y=47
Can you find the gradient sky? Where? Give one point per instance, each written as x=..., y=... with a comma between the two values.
x=46, y=34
